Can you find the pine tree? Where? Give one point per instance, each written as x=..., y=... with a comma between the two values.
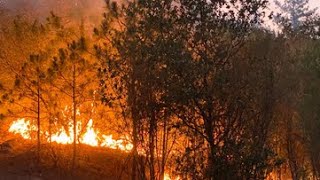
x=32, y=97
x=295, y=11
x=25, y=87
x=73, y=71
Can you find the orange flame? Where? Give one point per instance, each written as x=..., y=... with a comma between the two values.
x=22, y=127
x=109, y=142
x=90, y=136
x=167, y=177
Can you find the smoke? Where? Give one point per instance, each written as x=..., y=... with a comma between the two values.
x=64, y=8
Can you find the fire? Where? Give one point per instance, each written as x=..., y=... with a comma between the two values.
x=23, y=128
x=90, y=136
x=109, y=142
x=62, y=137
x=167, y=177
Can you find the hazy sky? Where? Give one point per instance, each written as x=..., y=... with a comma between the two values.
x=272, y=25
x=315, y=3
x=46, y=4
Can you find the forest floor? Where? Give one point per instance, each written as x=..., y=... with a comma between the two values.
x=18, y=161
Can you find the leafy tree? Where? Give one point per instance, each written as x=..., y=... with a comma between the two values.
x=209, y=94
x=189, y=69
x=128, y=70
x=309, y=104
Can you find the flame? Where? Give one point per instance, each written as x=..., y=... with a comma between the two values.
x=109, y=142
x=22, y=127
x=167, y=177
x=90, y=137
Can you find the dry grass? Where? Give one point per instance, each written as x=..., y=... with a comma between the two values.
x=20, y=162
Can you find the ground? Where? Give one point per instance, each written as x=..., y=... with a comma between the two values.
x=18, y=161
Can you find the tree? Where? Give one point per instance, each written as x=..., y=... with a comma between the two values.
x=29, y=92
x=28, y=37
x=285, y=138
x=187, y=70
x=309, y=106
x=72, y=72
x=296, y=11
x=210, y=97
x=128, y=70
x=27, y=96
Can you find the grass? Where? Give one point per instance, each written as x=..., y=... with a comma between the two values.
x=20, y=162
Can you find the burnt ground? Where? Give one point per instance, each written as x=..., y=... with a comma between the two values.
x=18, y=161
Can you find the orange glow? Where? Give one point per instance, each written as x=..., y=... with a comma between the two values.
x=121, y=144
x=90, y=136
x=22, y=127
x=167, y=177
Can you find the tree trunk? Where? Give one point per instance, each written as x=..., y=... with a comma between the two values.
x=135, y=130
x=74, y=106
x=135, y=161
x=209, y=133
x=315, y=165
x=38, y=110
x=164, y=149
x=290, y=150
x=38, y=119
x=152, y=129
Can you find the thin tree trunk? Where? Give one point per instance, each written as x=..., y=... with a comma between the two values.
x=38, y=110
x=74, y=119
x=50, y=129
x=290, y=150
x=314, y=165
x=211, y=153
x=164, y=149
x=134, y=150
x=38, y=119
x=135, y=121
x=142, y=169
x=152, y=129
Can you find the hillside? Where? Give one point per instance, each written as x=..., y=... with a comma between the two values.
x=18, y=161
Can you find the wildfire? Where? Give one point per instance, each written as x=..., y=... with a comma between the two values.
x=167, y=177
x=23, y=128
x=90, y=137
x=109, y=142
